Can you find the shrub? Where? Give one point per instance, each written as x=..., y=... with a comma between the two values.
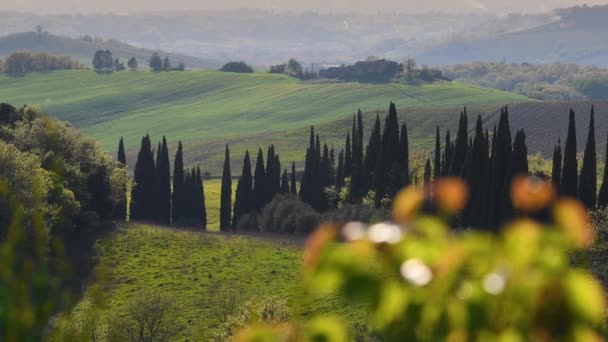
x=287, y=214
x=240, y=67
x=151, y=316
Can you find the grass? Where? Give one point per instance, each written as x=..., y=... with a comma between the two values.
x=207, y=109
x=186, y=265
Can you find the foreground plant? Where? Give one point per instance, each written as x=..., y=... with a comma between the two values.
x=424, y=282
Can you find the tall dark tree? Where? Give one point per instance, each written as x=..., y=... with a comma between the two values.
x=120, y=209
x=459, y=154
x=478, y=179
x=293, y=183
x=143, y=191
x=200, y=200
x=156, y=62
x=358, y=179
x=122, y=157
x=447, y=155
x=519, y=163
x=372, y=154
x=259, y=184
x=226, y=194
x=347, y=157
x=284, y=183
x=587, y=191
x=244, y=202
x=163, y=185
x=556, y=172
x=178, y=186
x=427, y=174
x=340, y=170
x=569, y=185
x=501, y=172
x=437, y=160
x=602, y=201
x=403, y=156
x=272, y=178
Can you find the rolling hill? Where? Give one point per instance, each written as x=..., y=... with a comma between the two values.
x=83, y=49
x=207, y=109
x=197, y=270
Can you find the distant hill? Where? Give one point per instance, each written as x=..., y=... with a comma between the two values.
x=82, y=49
x=207, y=109
x=578, y=36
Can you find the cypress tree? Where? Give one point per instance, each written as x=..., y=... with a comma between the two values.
x=501, y=171
x=603, y=195
x=293, y=185
x=284, y=183
x=587, y=191
x=360, y=138
x=372, y=154
x=519, y=163
x=556, y=171
x=427, y=174
x=447, y=155
x=347, y=157
x=277, y=174
x=122, y=158
x=178, y=185
x=460, y=148
x=143, y=191
x=226, y=194
x=340, y=170
x=392, y=148
x=244, y=202
x=569, y=184
x=358, y=180
x=191, y=195
x=202, y=209
x=163, y=183
x=259, y=184
x=478, y=179
x=437, y=160
x=332, y=166
x=120, y=210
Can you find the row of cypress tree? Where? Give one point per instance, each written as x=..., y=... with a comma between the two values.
x=565, y=175
x=254, y=190
x=487, y=161
x=153, y=198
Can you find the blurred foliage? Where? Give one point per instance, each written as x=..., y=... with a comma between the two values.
x=29, y=286
x=424, y=282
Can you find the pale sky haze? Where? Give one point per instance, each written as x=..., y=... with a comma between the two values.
x=403, y=6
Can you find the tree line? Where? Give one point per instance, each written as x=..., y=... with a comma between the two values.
x=26, y=62
x=366, y=174
x=103, y=61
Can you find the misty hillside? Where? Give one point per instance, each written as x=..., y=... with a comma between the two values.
x=577, y=37
x=83, y=49
x=266, y=37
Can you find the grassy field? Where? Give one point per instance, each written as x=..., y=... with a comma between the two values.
x=207, y=109
x=187, y=265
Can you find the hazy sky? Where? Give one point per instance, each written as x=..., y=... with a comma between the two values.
x=298, y=5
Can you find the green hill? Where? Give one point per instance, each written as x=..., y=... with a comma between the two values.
x=195, y=269
x=83, y=49
x=207, y=109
